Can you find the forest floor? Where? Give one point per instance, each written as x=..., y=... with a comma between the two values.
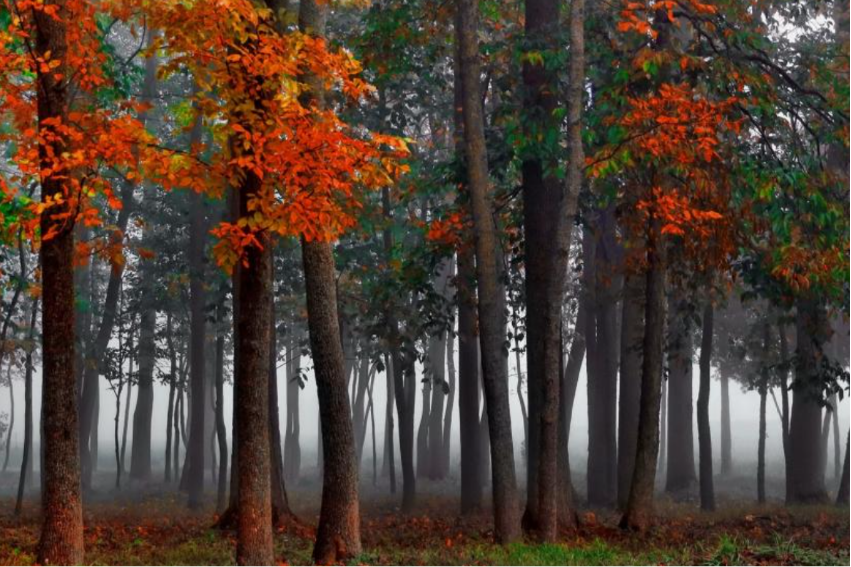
x=143, y=526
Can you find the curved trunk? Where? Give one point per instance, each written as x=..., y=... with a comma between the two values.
x=338, y=533
x=704, y=433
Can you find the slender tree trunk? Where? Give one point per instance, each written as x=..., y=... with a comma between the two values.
x=639, y=508
x=124, y=427
x=437, y=354
x=842, y=495
x=221, y=431
x=193, y=469
x=704, y=433
x=450, y=406
x=62, y=513
x=784, y=400
x=726, y=437
x=172, y=380
x=11, y=415
x=837, y=443
x=663, y=428
x=25, y=477
x=760, y=456
x=140, y=457
x=292, y=445
x=806, y=473
x=681, y=471
x=389, y=448
x=491, y=299
x=338, y=534
x=422, y=431
x=281, y=513
x=632, y=333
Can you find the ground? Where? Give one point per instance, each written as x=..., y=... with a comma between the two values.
x=141, y=526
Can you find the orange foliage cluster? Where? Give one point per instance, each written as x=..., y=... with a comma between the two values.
x=636, y=15
x=94, y=139
x=250, y=81
x=448, y=231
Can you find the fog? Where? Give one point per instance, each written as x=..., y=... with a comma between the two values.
x=743, y=410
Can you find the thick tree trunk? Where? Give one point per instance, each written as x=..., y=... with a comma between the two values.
x=704, y=433
x=62, y=514
x=140, y=457
x=542, y=194
x=632, y=333
x=639, y=508
x=251, y=399
x=806, y=471
x=680, y=470
x=338, y=534
x=490, y=297
x=25, y=477
x=726, y=437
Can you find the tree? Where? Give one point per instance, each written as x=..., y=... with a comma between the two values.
x=490, y=300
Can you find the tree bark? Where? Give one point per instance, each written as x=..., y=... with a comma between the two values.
x=632, y=333
x=704, y=433
x=806, y=471
x=338, y=534
x=281, y=513
x=422, y=431
x=490, y=297
x=437, y=355
x=251, y=399
x=11, y=416
x=62, y=512
x=450, y=406
x=172, y=382
x=639, y=508
x=292, y=444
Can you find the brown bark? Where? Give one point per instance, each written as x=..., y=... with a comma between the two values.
x=704, y=433
x=62, y=513
x=806, y=472
x=490, y=296
x=639, y=508
x=632, y=333
x=338, y=534
x=253, y=469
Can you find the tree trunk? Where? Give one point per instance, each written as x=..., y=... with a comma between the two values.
x=639, y=508
x=221, y=431
x=338, y=534
x=784, y=397
x=704, y=433
x=632, y=331
x=251, y=399
x=439, y=387
x=62, y=513
x=806, y=473
x=281, y=513
x=680, y=472
x=25, y=477
x=389, y=449
x=842, y=495
x=172, y=382
x=193, y=469
x=837, y=443
x=140, y=457
x=11, y=416
x=468, y=384
x=422, y=431
x=292, y=444
x=726, y=437
x=760, y=453
x=491, y=299
x=450, y=406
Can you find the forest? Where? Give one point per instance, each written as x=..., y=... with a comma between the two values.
x=424, y=282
